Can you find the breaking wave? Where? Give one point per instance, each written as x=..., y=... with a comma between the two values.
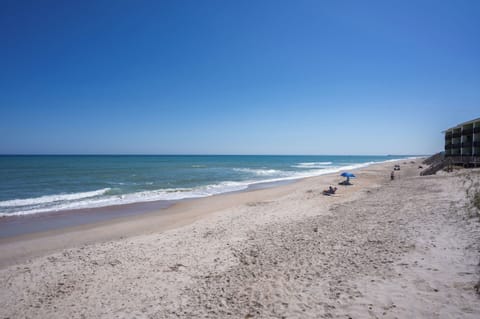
x=52, y=198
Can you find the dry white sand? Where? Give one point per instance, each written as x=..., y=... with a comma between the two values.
x=379, y=249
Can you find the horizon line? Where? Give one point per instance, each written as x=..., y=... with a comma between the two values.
x=193, y=154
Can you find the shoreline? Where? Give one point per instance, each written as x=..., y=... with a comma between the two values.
x=24, y=224
x=119, y=199
x=19, y=225
x=21, y=247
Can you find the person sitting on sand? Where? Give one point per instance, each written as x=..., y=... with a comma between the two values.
x=330, y=191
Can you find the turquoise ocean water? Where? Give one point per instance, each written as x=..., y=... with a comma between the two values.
x=39, y=184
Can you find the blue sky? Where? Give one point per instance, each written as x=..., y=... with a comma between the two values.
x=236, y=77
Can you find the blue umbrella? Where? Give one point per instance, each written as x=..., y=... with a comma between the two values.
x=347, y=175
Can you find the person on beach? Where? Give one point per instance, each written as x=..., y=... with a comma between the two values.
x=392, y=176
x=331, y=190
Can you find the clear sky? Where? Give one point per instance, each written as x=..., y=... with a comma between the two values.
x=236, y=77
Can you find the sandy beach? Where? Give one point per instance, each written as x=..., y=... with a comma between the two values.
x=407, y=248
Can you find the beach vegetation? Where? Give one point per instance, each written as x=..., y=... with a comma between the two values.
x=476, y=200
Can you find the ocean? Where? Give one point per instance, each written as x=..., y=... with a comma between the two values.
x=41, y=184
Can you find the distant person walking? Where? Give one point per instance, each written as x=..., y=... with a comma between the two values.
x=392, y=176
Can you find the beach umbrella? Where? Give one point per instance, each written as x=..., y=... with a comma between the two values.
x=348, y=175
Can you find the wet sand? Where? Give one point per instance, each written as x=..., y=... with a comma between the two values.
x=401, y=249
x=14, y=226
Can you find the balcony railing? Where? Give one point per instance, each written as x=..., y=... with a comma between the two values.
x=448, y=136
x=467, y=144
x=464, y=159
x=454, y=135
x=467, y=131
x=476, y=130
x=457, y=145
x=476, y=144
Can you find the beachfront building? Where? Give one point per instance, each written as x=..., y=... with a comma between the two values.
x=462, y=144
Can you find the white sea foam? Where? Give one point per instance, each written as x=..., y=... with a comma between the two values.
x=310, y=165
x=261, y=172
x=145, y=196
x=52, y=198
x=315, y=163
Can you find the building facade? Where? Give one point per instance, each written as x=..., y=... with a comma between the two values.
x=462, y=143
